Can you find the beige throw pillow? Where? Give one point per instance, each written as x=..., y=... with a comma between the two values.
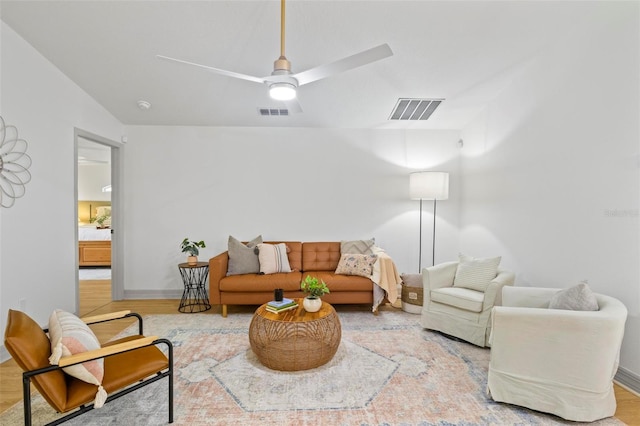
x=273, y=258
x=357, y=246
x=475, y=274
x=356, y=264
x=576, y=298
x=69, y=335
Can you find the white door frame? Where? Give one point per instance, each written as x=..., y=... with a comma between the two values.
x=117, y=221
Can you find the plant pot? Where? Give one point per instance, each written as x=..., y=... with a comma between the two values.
x=312, y=305
x=192, y=260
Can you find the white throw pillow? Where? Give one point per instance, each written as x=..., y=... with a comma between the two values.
x=475, y=274
x=273, y=258
x=576, y=298
x=69, y=335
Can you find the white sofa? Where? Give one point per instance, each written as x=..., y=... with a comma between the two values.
x=552, y=360
x=457, y=311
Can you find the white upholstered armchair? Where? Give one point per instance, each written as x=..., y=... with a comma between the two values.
x=554, y=360
x=461, y=311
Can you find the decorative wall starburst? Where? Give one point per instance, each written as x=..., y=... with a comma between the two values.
x=14, y=165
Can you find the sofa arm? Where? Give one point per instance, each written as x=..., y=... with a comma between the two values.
x=528, y=297
x=439, y=276
x=493, y=293
x=217, y=271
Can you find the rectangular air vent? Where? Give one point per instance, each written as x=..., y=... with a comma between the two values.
x=273, y=111
x=414, y=109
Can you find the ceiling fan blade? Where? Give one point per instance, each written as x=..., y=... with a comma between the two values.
x=293, y=106
x=344, y=64
x=215, y=70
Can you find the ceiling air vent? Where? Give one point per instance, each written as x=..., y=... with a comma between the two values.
x=414, y=109
x=273, y=111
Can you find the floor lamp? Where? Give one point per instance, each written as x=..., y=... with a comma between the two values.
x=428, y=186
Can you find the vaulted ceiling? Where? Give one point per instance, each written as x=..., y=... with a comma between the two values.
x=464, y=52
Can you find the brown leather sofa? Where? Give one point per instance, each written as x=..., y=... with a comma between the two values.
x=318, y=259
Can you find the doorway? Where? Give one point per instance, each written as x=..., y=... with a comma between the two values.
x=97, y=215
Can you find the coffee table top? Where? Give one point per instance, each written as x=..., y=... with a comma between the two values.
x=296, y=315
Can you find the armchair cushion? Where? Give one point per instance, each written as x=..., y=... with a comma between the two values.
x=576, y=298
x=463, y=298
x=475, y=273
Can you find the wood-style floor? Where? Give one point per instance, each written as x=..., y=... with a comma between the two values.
x=95, y=298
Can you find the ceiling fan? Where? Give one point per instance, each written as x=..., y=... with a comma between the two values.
x=283, y=83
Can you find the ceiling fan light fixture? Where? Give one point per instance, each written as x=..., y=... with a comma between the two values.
x=282, y=91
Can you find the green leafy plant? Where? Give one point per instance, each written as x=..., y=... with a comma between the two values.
x=100, y=219
x=192, y=247
x=313, y=287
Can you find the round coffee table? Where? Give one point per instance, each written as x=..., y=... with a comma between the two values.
x=296, y=339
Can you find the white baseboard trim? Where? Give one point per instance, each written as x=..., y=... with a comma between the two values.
x=152, y=294
x=627, y=379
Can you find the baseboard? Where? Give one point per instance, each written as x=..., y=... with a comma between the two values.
x=152, y=294
x=627, y=379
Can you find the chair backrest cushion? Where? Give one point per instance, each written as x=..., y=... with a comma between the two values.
x=475, y=274
x=30, y=347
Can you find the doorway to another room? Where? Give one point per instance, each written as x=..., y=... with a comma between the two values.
x=95, y=224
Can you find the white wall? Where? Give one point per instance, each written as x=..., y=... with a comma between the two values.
x=91, y=179
x=37, y=234
x=551, y=169
x=286, y=184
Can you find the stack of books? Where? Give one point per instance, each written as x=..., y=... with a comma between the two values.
x=282, y=306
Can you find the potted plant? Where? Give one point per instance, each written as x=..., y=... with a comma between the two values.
x=193, y=248
x=100, y=221
x=315, y=289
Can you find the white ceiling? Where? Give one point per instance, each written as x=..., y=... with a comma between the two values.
x=462, y=51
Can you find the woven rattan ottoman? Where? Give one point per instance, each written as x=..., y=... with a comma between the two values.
x=296, y=339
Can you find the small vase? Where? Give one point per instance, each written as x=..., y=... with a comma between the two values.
x=312, y=305
x=192, y=260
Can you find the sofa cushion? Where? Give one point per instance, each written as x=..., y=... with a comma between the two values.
x=339, y=283
x=242, y=257
x=462, y=298
x=273, y=258
x=475, y=273
x=356, y=264
x=576, y=298
x=294, y=253
x=357, y=246
x=261, y=283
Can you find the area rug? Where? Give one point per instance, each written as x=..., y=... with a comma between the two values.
x=387, y=371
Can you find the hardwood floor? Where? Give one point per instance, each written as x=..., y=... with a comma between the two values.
x=95, y=298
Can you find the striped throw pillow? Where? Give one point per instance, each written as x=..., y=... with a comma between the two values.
x=69, y=335
x=273, y=258
x=476, y=274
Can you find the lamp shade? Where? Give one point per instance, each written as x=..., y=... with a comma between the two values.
x=429, y=185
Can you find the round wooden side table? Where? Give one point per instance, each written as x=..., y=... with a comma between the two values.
x=194, y=297
x=295, y=340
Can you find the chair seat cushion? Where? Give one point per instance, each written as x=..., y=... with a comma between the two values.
x=120, y=370
x=458, y=297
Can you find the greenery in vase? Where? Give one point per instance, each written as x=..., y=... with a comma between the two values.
x=192, y=247
x=313, y=287
x=100, y=219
